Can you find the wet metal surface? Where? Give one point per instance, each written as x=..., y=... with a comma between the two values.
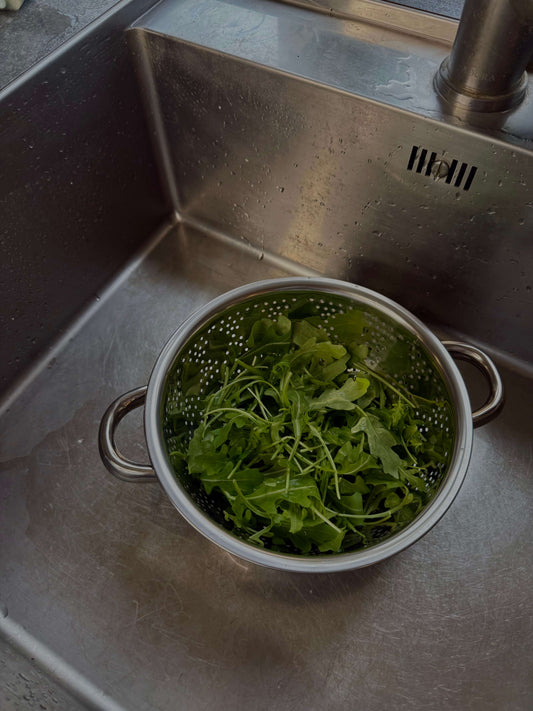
x=23, y=685
x=38, y=28
x=30, y=34
x=280, y=159
x=320, y=139
x=109, y=576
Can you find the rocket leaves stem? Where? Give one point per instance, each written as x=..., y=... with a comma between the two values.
x=310, y=450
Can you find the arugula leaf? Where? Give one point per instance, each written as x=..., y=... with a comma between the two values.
x=298, y=490
x=354, y=460
x=265, y=331
x=334, y=369
x=304, y=332
x=341, y=398
x=309, y=448
x=380, y=442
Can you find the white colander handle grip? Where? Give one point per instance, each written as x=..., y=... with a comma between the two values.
x=475, y=356
x=114, y=461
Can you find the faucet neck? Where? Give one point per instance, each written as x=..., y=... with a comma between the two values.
x=493, y=46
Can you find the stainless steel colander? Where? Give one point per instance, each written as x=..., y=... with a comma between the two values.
x=397, y=344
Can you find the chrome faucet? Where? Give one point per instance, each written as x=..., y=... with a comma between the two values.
x=486, y=70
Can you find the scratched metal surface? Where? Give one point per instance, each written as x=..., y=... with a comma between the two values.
x=110, y=577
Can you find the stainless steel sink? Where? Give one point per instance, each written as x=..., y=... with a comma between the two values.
x=288, y=141
x=323, y=141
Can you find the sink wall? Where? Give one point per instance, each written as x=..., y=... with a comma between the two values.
x=79, y=190
x=297, y=133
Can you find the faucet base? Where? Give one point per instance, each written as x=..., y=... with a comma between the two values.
x=476, y=102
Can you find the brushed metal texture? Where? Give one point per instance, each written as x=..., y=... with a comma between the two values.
x=78, y=185
x=110, y=577
x=270, y=117
x=297, y=132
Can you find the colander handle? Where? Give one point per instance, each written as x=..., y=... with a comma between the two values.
x=115, y=462
x=475, y=356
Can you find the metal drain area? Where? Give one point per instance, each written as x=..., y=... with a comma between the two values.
x=451, y=171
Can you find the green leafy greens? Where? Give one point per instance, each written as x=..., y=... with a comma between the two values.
x=306, y=447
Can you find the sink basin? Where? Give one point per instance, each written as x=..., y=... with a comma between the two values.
x=288, y=142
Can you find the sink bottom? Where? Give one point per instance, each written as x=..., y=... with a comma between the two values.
x=110, y=577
